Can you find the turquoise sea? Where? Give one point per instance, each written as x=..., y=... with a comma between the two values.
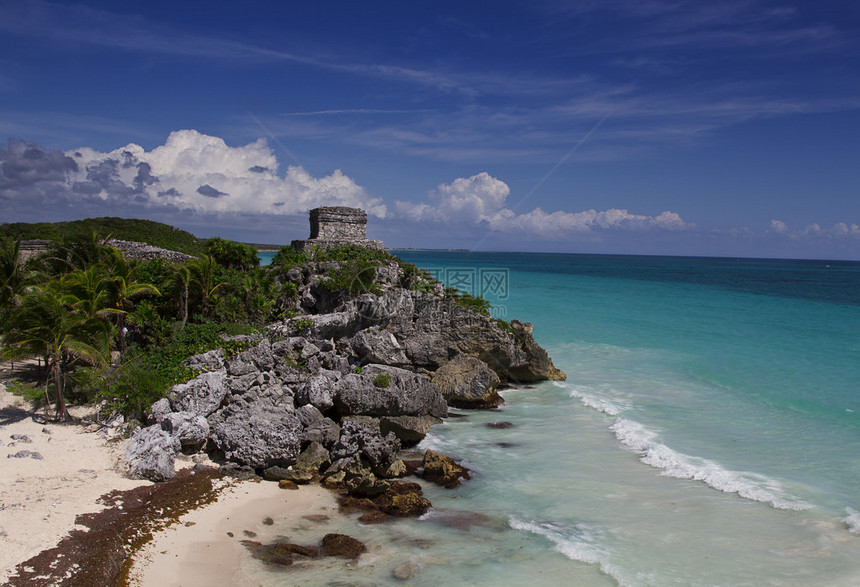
x=708, y=432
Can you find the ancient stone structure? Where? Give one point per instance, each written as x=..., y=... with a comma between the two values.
x=133, y=251
x=337, y=226
x=32, y=248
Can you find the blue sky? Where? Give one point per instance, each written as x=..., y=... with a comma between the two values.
x=610, y=126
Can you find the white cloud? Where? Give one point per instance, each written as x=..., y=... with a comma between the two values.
x=481, y=199
x=778, y=226
x=190, y=172
x=840, y=230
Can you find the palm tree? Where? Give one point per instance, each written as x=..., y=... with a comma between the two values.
x=42, y=325
x=123, y=288
x=88, y=291
x=14, y=278
x=180, y=276
x=203, y=277
x=77, y=252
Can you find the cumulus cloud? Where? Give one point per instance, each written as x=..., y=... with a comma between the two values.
x=481, y=200
x=191, y=172
x=840, y=230
x=25, y=164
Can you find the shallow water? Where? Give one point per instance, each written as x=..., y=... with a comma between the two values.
x=707, y=434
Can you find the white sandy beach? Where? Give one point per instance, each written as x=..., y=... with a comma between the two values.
x=40, y=499
x=205, y=547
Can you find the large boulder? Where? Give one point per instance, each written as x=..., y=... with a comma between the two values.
x=325, y=431
x=443, y=470
x=191, y=429
x=381, y=390
x=258, y=433
x=376, y=345
x=367, y=443
x=440, y=328
x=256, y=359
x=202, y=395
x=208, y=361
x=151, y=454
x=318, y=390
x=467, y=382
x=410, y=430
x=158, y=411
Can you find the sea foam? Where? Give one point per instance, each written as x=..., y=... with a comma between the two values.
x=852, y=520
x=577, y=543
x=594, y=401
x=674, y=464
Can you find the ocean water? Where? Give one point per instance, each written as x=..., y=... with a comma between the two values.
x=708, y=432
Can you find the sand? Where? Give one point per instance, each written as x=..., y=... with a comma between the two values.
x=205, y=547
x=39, y=499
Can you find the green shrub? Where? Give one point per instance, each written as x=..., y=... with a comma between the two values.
x=288, y=257
x=148, y=374
x=475, y=303
x=301, y=325
x=382, y=380
x=352, y=277
x=231, y=254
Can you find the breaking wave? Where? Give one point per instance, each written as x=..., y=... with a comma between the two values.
x=674, y=464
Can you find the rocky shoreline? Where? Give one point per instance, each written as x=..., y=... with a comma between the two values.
x=338, y=394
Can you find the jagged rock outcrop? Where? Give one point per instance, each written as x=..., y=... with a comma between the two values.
x=258, y=433
x=375, y=345
x=202, y=395
x=337, y=391
x=443, y=470
x=143, y=252
x=380, y=390
x=151, y=454
x=467, y=382
x=189, y=428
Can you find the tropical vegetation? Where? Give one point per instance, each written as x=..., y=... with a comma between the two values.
x=117, y=331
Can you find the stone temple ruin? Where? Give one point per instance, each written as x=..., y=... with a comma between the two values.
x=337, y=226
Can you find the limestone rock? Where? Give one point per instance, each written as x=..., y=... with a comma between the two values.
x=410, y=430
x=440, y=328
x=467, y=382
x=325, y=431
x=259, y=434
x=202, y=395
x=405, y=394
x=208, y=361
x=442, y=470
x=240, y=472
x=403, y=500
x=308, y=414
x=158, y=411
x=256, y=359
x=373, y=345
x=357, y=440
x=405, y=570
x=299, y=477
x=317, y=390
x=342, y=545
x=313, y=458
x=151, y=454
x=191, y=429
x=25, y=454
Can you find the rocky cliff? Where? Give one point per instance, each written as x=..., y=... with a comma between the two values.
x=362, y=370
